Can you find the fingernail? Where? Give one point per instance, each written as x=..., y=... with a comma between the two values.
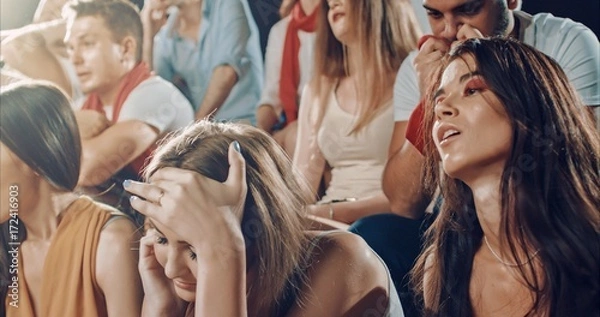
x=236, y=146
x=133, y=198
x=126, y=183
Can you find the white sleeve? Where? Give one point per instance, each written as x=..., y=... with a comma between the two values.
x=155, y=102
x=581, y=62
x=273, y=60
x=406, y=89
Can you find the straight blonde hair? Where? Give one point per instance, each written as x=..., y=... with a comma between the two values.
x=387, y=30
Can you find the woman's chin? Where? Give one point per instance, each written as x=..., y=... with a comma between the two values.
x=186, y=295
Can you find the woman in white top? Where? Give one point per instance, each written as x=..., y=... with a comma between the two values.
x=345, y=116
x=288, y=67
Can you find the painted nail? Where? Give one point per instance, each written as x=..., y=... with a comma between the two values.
x=126, y=183
x=236, y=146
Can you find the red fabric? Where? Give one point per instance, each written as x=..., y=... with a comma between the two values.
x=414, y=130
x=135, y=77
x=290, y=66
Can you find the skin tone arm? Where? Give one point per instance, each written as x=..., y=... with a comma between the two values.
x=33, y=51
x=117, y=273
x=266, y=117
x=307, y=156
x=114, y=148
x=402, y=177
x=153, y=16
x=222, y=81
x=48, y=10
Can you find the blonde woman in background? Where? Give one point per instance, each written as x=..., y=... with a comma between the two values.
x=345, y=119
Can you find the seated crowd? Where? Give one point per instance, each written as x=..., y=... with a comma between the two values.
x=156, y=163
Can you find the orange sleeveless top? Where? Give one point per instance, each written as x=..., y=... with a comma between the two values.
x=69, y=287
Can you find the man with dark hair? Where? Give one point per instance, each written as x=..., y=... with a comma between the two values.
x=127, y=109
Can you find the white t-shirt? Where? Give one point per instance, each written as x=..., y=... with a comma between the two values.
x=154, y=101
x=273, y=61
x=158, y=103
x=571, y=44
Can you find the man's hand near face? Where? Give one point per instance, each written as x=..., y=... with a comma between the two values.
x=432, y=50
x=429, y=58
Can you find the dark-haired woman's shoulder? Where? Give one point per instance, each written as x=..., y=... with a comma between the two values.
x=116, y=264
x=346, y=278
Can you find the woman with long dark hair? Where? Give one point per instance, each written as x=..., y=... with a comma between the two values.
x=61, y=254
x=518, y=232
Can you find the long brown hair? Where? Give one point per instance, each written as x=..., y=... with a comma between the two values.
x=552, y=205
x=39, y=127
x=274, y=209
x=387, y=30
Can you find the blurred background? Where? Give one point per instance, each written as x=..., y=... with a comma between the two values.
x=16, y=13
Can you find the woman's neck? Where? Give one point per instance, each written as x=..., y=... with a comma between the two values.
x=351, y=60
x=42, y=219
x=308, y=6
x=488, y=205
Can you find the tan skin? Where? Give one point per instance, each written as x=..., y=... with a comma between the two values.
x=213, y=233
x=266, y=116
x=346, y=94
x=41, y=206
x=101, y=63
x=466, y=112
x=33, y=50
x=450, y=21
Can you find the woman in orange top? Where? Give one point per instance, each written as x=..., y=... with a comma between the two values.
x=62, y=255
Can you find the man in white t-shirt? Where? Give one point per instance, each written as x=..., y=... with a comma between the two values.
x=127, y=109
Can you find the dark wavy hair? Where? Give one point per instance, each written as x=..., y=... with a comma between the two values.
x=38, y=126
x=552, y=205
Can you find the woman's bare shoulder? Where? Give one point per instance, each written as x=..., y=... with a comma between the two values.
x=346, y=276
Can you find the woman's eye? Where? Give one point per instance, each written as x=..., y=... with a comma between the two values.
x=193, y=255
x=471, y=91
x=161, y=240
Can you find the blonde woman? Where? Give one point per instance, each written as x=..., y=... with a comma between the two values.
x=345, y=119
x=228, y=236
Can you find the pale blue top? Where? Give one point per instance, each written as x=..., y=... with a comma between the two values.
x=227, y=36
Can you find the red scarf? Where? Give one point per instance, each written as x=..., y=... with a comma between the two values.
x=135, y=77
x=290, y=66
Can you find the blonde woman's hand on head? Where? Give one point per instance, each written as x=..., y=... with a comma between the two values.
x=160, y=297
x=205, y=213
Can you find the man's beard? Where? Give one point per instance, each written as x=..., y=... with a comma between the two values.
x=501, y=19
